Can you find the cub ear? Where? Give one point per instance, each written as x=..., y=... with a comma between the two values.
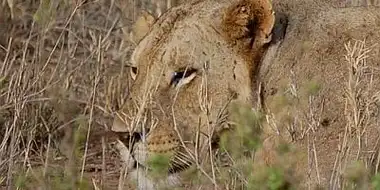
x=249, y=19
x=141, y=27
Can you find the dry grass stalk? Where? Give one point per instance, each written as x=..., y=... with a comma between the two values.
x=360, y=97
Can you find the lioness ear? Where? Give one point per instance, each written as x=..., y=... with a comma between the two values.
x=249, y=19
x=141, y=27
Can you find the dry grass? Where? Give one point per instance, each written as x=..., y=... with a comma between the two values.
x=297, y=115
x=60, y=79
x=361, y=99
x=63, y=75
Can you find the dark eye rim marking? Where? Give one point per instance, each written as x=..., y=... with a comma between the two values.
x=179, y=75
x=134, y=70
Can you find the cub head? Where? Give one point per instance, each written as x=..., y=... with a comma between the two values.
x=190, y=65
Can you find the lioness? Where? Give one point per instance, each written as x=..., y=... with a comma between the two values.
x=195, y=60
x=209, y=50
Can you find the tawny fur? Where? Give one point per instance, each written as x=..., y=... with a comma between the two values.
x=222, y=47
x=313, y=49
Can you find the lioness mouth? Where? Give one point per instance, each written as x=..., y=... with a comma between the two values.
x=179, y=163
x=171, y=170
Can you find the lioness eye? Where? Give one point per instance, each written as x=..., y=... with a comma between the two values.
x=183, y=77
x=133, y=72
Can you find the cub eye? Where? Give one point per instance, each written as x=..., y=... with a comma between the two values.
x=183, y=76
x=133, y=72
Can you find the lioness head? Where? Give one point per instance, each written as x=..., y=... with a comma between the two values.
x=194, y=61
